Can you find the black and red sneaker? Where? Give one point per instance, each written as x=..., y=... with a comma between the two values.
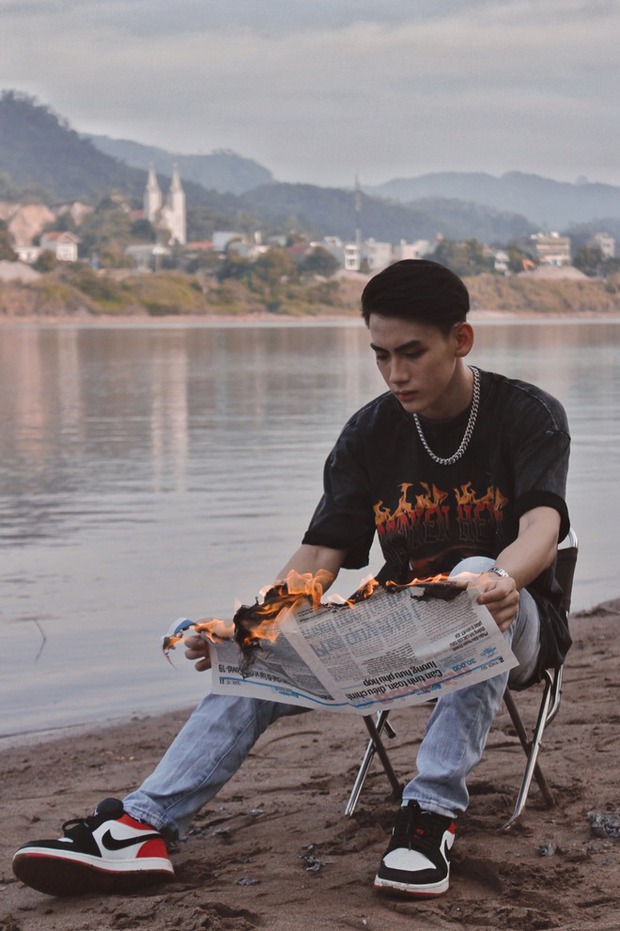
x=108, y=851
x=417, y=861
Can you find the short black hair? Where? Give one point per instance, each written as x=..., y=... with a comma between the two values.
x=417, y=289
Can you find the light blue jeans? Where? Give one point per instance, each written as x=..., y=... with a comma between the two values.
x=222, y=730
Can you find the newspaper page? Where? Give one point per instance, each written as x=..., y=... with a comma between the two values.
x=393, y=649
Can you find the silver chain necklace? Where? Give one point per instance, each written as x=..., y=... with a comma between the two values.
x=469, y=429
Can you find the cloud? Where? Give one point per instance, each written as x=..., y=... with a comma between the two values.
x=321, y=90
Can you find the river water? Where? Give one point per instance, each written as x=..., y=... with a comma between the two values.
x=161, y=470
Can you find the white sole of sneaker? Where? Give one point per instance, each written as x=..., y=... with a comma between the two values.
x=431, y=889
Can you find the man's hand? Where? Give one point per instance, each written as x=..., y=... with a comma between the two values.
x=197, y=648
x=500, y=597
x=524, y=559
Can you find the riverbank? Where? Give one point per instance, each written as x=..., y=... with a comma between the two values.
x=81, y=295
x=273, y=851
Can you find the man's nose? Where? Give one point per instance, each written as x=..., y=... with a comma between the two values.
x=398, y=371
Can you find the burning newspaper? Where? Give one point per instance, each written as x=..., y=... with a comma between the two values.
x=383, y=648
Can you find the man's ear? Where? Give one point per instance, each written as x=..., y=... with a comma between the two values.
x=464, y=334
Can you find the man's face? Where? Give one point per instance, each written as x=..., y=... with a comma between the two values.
x=421, y=366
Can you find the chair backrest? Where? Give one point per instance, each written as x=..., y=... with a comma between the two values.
x=565, y=567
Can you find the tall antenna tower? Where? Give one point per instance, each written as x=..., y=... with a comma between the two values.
x=358, y=219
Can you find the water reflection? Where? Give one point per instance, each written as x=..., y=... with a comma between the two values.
x=147, y=472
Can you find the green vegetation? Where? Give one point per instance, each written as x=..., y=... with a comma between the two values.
x=107, y=232
x=79, y=290
x=463, y=258
x=47, y=297
x=31, y=193
x=6, y=244
x=38, y=146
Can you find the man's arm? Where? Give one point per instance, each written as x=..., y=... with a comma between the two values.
x=306, y=559
x=524, y=559
x=311, y=559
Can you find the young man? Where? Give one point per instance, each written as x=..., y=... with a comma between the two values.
x=454, y=469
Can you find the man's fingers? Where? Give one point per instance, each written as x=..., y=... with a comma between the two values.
x=198, y=649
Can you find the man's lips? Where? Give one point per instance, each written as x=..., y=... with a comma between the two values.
x=406, y=396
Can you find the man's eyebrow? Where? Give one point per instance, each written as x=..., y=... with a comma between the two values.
x=412, y=344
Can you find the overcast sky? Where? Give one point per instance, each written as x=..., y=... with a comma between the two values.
x=322, y=90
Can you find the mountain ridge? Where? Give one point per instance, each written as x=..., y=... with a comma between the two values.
x=549, y=203
x=39, y=148
x=221, y=170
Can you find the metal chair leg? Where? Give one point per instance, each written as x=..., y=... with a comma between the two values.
x=375, y=745
x=549, y=706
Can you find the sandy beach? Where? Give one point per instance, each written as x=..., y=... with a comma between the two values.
x=274, y=850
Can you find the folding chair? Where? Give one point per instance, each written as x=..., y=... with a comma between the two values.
x=549, y=706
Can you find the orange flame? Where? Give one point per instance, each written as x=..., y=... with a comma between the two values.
x=257, y=622
x=438, y=586
x=212, y=629
x=262, y=621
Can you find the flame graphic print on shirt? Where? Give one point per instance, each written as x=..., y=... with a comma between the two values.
x=434, y=527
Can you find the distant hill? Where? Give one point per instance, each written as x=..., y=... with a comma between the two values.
x=331, y=211
x=222, y=171
x=550, y=204
x=38, y=149
x=38, y=146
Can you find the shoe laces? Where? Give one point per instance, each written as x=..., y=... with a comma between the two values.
x=76, y=827
x=418, y=830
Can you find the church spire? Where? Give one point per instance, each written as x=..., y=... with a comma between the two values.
x=175, y=210
x=152, y=196
x=175, y=183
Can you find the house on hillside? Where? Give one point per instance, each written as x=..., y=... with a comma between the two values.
x=606, y=243
x=148, y=255
x=413, y=250
x=377, y=254
x=552, y=249
x=64, y=245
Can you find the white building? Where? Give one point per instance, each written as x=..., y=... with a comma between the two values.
x=221, y=238
x=552, y=249
x=169, y=215
x=413, y=250
x=378, y=254
x=352, y=257
x=606, y=243
x=63, y=245
x=147, y=255
x=501, y=262
x=28, y=254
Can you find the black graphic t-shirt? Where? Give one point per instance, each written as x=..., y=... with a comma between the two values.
x=380, y=479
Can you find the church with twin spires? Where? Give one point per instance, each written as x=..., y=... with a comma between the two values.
x=169, y=214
